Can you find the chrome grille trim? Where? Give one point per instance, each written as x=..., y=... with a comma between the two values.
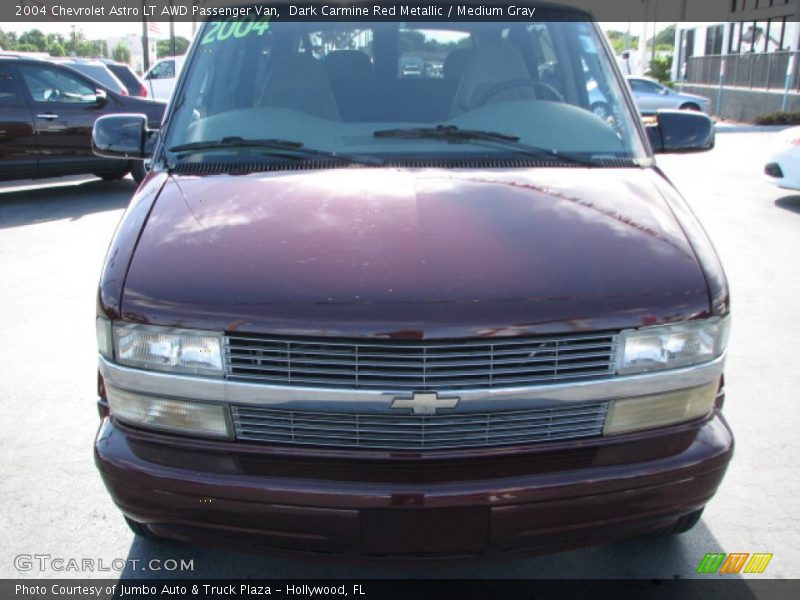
x=566, y=393
x=414, y=432
x=398, y=365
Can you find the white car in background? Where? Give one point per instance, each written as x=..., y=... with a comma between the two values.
x=783, y=166
x=161, y=77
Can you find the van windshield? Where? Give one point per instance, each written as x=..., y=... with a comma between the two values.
x=365, y=92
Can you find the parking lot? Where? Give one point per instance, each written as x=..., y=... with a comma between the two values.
x=54, y=234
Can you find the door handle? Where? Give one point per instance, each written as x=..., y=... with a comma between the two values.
x=48, y=116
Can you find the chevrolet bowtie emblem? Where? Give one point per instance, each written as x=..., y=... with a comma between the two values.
x=425, y=403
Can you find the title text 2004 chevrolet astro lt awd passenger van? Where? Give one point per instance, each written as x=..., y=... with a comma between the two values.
x=357, y=313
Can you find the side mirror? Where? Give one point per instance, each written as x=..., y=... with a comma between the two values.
x=122, y=136
x=100, y=97
x=681, y=131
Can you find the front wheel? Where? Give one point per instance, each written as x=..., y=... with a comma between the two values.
x=691, y=106
x=113, y=176
x=141, y=529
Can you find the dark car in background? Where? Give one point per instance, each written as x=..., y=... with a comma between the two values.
x=352, y=312
x=129, y=79
x=47, y=110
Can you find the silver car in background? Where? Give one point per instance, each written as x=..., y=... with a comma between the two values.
x=652, y=96
x=94, y=69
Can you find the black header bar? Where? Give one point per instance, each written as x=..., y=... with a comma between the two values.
x=70, y=11
x=387, y=589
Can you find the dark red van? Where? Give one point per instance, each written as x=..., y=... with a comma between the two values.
x=354, y=312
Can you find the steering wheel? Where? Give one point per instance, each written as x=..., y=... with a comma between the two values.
x=555, y=95
x=536, y=86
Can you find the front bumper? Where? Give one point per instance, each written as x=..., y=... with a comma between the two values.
x=498, y=502
x=780, y=170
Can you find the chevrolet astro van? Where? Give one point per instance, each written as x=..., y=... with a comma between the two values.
x=350, y=313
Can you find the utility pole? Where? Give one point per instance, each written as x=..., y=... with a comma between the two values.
x=145, y=41
x=642, y=51
x=655, y=32
x=171, y=29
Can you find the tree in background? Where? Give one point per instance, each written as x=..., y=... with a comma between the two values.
x=121, y=53
x=617, y=39
x=93, y=49
x=34, y=38
x=55, y=44
x=164, y=48
x=661, y=68
x=56, y=49
x=664, y=39
x=8, y=40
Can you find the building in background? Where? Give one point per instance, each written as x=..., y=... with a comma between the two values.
x=134, y=44
x=748, y=65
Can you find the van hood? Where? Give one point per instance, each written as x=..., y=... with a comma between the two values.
x=414, y=254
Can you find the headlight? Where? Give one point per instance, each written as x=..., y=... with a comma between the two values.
x=164, y=349
x=671, y=346
x=180, y=416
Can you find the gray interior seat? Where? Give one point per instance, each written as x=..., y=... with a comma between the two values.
x=455, y=62
x=299, y=82
x=352, y=66
x=352, y=76
x=487, y=67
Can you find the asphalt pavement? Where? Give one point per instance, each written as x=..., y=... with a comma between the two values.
x=54, y=234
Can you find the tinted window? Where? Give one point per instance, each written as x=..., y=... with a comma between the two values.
x=424, y=52
x=100, y=74
x=51, y=84
x=9, y=91
x=645, y=87
x=163, y=70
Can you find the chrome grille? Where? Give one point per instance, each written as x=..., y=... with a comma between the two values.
x=413, y=365
x=412, y=432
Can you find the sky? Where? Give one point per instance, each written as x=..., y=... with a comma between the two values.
x=107, y=30
x=96, y=30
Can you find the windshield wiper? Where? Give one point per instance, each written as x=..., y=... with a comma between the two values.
x=284, y=148
x=448, y=133
x=452, y=134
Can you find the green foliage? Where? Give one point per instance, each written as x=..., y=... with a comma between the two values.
x=34, y=38
x=664, y=39
x=164, y=47
x=56, y=49
x=93, y=49
x=121, y=53
x=55, y=44
x=617, y=39
x=660, y=68
x=779, y=118
x=8, y=40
